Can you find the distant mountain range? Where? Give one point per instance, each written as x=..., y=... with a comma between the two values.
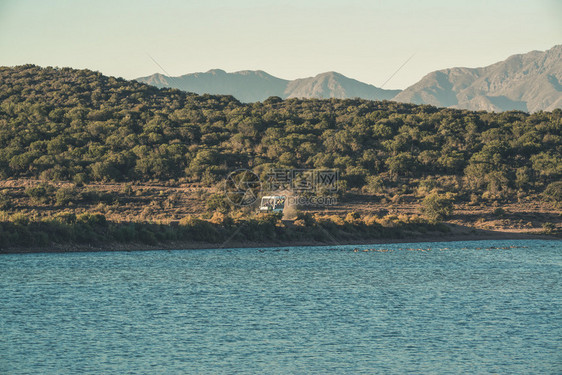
x=528, y=82
x=253, y=86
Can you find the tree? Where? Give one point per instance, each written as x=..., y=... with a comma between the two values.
x=436, y=207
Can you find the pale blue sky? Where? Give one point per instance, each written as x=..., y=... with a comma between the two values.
x=366, y=40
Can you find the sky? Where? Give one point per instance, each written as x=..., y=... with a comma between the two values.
x=365, y=40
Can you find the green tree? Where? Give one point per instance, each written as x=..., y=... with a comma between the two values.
x=437, y=207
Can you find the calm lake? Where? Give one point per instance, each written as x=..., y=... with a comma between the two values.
x=459, y=307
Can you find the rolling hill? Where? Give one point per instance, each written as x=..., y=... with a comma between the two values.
x=253, y=86
x=528, y=82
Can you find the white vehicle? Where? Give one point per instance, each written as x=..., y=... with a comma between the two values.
x=272, y=203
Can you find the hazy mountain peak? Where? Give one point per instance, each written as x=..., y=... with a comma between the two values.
x=257, y=85
x=335, y=85
x=216, y=71
x=527, y=82
x=330, y=74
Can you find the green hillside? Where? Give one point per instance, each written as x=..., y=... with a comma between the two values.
x=80, y=126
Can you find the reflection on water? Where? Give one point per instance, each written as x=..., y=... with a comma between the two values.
x=474, y=307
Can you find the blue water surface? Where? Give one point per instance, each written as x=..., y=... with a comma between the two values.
x=459, y=307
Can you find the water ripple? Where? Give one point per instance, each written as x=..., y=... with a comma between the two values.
x=466, y=307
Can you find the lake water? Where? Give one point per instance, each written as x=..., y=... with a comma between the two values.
x=461, y=307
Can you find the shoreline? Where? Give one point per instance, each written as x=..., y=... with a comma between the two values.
x=475, y=235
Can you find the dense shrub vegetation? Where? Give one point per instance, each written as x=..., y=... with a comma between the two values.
x=78, y=125
x=18, y=230
x=437, y=207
